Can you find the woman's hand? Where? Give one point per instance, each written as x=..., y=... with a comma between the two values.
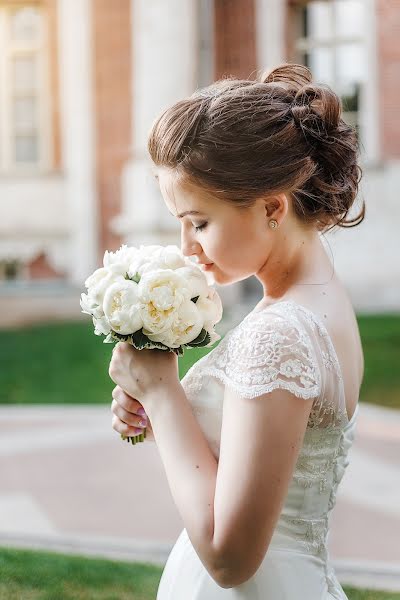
x=127, y=419
x=144, y=374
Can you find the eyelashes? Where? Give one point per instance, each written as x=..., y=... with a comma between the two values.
x=201, y=227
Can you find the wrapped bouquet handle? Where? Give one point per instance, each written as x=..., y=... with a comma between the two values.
x=152, y=297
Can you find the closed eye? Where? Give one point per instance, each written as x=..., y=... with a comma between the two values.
x=200, y=227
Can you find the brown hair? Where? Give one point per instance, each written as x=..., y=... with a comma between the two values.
x=241, y=139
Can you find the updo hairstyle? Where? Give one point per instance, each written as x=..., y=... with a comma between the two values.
x=244, y=139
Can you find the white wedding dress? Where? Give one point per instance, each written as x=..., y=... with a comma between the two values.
x=284, y=345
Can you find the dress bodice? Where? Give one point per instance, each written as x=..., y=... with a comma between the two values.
x=286, y=346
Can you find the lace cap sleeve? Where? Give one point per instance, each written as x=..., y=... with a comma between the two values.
x=269, y=351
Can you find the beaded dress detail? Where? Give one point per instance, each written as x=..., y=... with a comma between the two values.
x=284, y=345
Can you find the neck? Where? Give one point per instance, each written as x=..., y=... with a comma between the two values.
x=298, y=258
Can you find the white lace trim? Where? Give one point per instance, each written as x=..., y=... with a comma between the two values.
x=274, y=348
x=262, y=355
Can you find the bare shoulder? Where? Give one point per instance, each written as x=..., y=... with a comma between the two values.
x=333, y=306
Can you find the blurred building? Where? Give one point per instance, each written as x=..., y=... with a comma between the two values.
x=82, y=80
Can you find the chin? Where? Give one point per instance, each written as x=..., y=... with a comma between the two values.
x=223, y=279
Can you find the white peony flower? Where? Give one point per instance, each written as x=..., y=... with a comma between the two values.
x=186, y=327
x=101, y=326
x=214, y=337
x=90, y=306
x=136, y=266
x=95, y=277
x=151, y=251
x=121, y=307
x=210, y=309
x=144, y=264
x=124, y=256
x=87, y=304
x=163, y=258
x=100, y=281
x=161, y=292
x=160, y=303
x=172, y=257
x=195, y=279
x=214, y=297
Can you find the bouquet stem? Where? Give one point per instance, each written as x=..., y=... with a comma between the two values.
x=136, y=438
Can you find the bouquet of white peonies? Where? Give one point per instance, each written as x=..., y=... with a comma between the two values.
x=152, y=297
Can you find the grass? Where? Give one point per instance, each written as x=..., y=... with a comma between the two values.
x=37, y=575
x=61, y=363
x=381, y=342
x=67, y=363
x=34, y=575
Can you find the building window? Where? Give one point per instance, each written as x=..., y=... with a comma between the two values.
x=206, y=50
x=11, y=269
x=330, y=41
x=24, y=90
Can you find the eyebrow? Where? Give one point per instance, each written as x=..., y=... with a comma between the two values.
x=188, y=212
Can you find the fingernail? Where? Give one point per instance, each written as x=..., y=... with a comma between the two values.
x=138, y=430
x=141, y=412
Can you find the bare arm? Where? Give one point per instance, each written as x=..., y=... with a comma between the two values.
x=149, y=432
x=254, y=476
x=191, y=471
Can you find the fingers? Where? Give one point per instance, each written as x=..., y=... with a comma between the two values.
x=128, y=417
x=122, y=427
x=124, y=407
x=126, y=401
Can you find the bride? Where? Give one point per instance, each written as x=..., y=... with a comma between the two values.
x=254, y=439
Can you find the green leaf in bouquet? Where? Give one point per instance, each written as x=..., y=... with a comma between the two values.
x=179, y=351
x=140, y=340
x=159, y=345
x=195, y=299
x=200, y=339
x=119, y=337
x=206, y=340
x=136, y=278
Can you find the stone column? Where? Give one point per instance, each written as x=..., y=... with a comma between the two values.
x=77, y=134
x=164, y=70
x=270, y=24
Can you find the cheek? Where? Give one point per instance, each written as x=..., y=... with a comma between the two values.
x=236, y=246
x=222, y=246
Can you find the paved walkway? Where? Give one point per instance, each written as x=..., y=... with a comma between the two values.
x=68, y=483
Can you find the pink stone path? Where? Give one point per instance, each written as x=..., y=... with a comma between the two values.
x=68, y=483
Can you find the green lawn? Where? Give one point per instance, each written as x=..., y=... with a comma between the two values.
x=381, y=342
x=60, y=363
x=67, y=363
x=28, y=575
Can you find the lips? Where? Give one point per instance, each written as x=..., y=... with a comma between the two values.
x=207, y=267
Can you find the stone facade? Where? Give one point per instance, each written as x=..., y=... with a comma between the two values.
x=388, y=46
x=112, y=66
x=113, y=101
x=235, y=38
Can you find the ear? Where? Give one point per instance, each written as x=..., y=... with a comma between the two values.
x=276, y=207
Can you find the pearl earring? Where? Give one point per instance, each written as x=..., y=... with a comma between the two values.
x=273, y=224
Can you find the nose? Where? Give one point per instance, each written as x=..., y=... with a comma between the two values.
x=189, y=245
